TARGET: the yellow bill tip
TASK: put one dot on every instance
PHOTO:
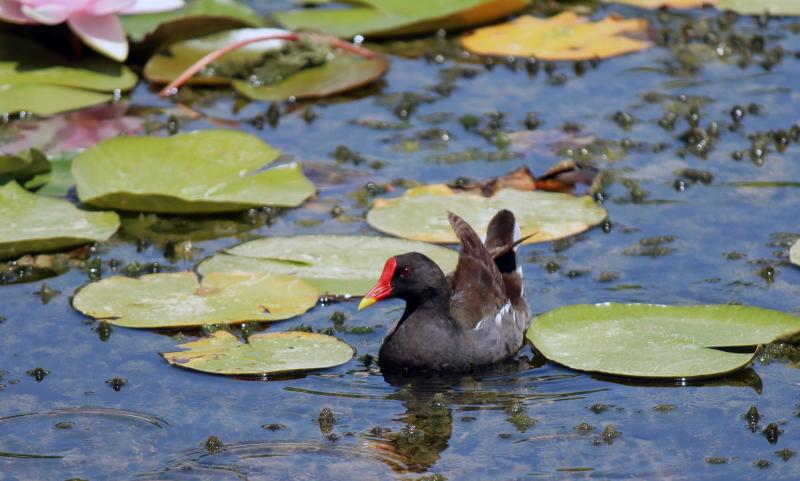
(366, 302)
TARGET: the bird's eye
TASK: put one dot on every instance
(405, 272)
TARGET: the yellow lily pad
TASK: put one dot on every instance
(263, 354)
(179, 300)
(794, 253)
(421, 214)
(566, 36)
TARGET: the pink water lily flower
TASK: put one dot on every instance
(94, 21)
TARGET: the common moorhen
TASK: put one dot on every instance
(475, 316)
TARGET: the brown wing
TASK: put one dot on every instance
(477, 287)
(502, 237)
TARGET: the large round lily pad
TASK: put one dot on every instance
(263, 354)
(342, 71)
(794, 253)
(33, 223)
(198, 172)
(335, 264)
(656, 341)
(179, 300)
(422, 214)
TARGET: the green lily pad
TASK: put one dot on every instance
(179, 300)
(342, 71)
(336, 264)
(759, 7)
(384, 18)
(33, 223)
(263, 354)
(196, 18)
(794, 253)
(199, 172)
(656, 341)
(36, 80)
(421, 214)
(46, 99)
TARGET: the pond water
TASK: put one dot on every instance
(704, 242)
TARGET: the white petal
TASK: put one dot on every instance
(150, 6)
(101, 32)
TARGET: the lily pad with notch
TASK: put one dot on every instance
(198, 172)
(658, 341)
(335, 264)
(263, 354)
(171, 300)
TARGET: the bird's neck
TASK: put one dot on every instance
(436, 300)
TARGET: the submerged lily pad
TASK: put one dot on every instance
(341, 71)
(421, 214)
(383, 18)
(656, 341)
(179, 300)
(268, 353)
(759, 7)
(794, 253)
(159, 229)
(566, 36)
(33, 223)
(335, 264)
(34, 79)
(199, 172)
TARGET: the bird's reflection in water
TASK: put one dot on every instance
(428, 417)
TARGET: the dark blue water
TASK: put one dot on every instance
(517, 421)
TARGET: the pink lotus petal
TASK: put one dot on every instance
(11, 11)
(107, 7)
(48, 14)
(101, 32)
(150, 6)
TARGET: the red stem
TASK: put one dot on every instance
(172, 87)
